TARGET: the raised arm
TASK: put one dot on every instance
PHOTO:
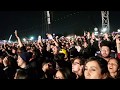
(18, 39)
(50, 37)
(118, 44)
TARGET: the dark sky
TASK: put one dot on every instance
(62, 22)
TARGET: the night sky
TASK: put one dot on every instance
(62, 22)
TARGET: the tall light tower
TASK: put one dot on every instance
(105, 22)
(47, 21)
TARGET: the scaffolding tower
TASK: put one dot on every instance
(105, 22)
(46, 23)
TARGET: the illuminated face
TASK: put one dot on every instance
(76, 66)
(92, 70)
(13, 51)
(47, 66)
(112, 65)
(59, 75)
(85, 44)
(55, 50)
(105, 51)
(20, 61)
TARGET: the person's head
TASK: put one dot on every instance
(14, 50)
(59, 56)
(28, 47)
(10, 61)
(59, 75)
(63, 73)
(48, 68)
(105, 49)
(64, 52)
(73, 52)
(113, 65)
(77, 66)
(106, 35)
(85, 44)
(55, 50)
(67, 45)
(19, 50)
(95, 68)
(24, 58)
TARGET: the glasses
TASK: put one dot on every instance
(113, 64)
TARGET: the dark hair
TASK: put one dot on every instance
(59, 56)
(48, 61)
(12, 61)
(73, 52)
(15, 48)
(66, 72)
(102, 63)
(106, 43)
(82, 60)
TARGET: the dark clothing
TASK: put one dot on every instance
(81, 77)
(87, 52)
(2, 74)
(31, 72)
(118, 55)
(10, 72)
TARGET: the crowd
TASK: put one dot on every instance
(78, 57)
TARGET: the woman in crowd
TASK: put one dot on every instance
(64, 73)
(96, 68)
(114, 68)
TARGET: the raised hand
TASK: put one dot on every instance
(39, 39)
(19, 41)
(5, 62)
(49, 36)
(117, 40)
(16, 34)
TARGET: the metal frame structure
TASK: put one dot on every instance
(105, 22)
(47, 21)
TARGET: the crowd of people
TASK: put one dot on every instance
(78, 57)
